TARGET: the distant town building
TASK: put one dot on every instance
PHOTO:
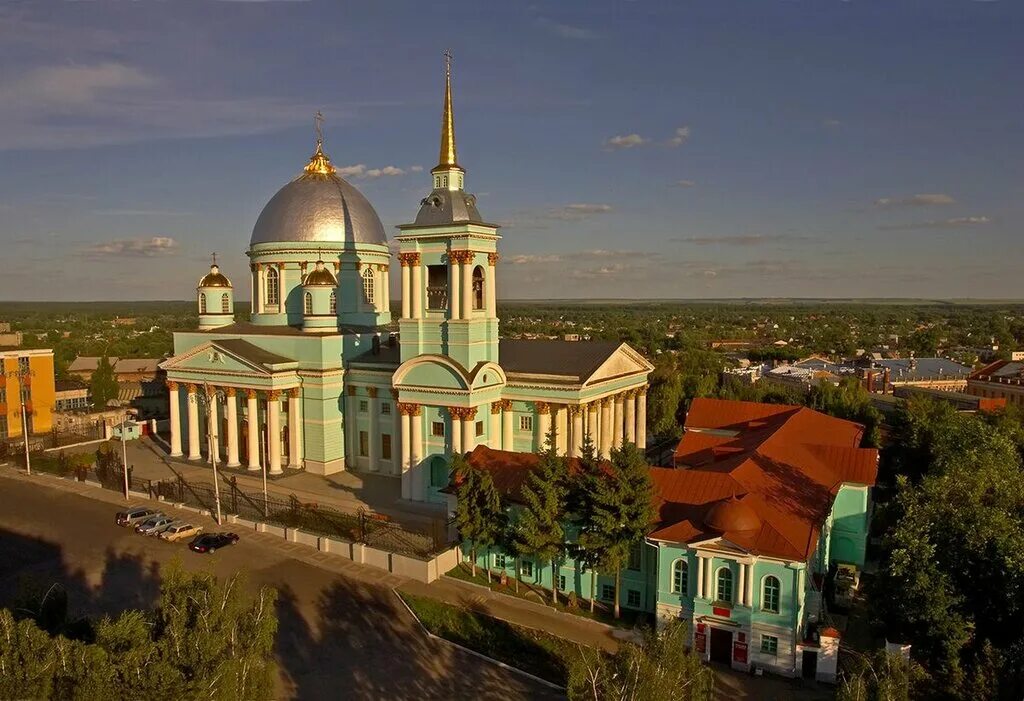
(27, 383)
(11, 339)
(1003, 379)
(84, 366)
(71, 395)
(125, 369)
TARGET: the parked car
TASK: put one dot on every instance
(180, 530)
(154, 525)
(209, 542)
(134, 515)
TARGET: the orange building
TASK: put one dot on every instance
(27, 380)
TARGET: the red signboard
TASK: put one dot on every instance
(699, 641)
(723, 612)
(739, 652)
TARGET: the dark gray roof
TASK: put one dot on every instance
(578, 359)
(920, 368)
(252, 353)
(1009, 369)
(443, 206)
(245, 328)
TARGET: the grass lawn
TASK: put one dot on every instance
(532, 651)
(531, 592)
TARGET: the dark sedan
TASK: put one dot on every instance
(209, 542)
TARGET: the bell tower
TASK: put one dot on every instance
(449, 259)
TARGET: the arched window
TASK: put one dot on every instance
(478, 287)
(202, 304)
(225, 304)
(273, 287)
(368, 285)
(770, 590)
(680, 580)
(307, 304)
(724, 590)
(334, 303)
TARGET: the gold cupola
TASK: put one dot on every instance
(214, 278)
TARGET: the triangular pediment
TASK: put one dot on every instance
(211, 357)
(719, 544)
(625, 361)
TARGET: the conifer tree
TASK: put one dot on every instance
(468, 519)
(590, 549)
(541, 533)
(103, 384)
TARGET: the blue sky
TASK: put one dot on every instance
(721, 148)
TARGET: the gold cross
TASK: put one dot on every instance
(447, 60)
(215, 257)
(318, 121)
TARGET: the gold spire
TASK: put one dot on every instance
(319, 164)
(448, 158)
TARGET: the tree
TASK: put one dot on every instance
(541, 533)
(662, 669)
(881, 676)
(103, 385)
(478, 514)
(589, 550)
(848, 400)
(622, 511)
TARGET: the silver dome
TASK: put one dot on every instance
(318, 206)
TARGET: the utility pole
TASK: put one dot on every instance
(21, 374)
(208, 397)
(263, 461)
(124, 454)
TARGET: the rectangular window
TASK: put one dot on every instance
(3, 395)
(526, 568)
(385, 446)
(500, 561)
(363, 406)
(385, 408)
(634, 557)
(437, 287)
(769, 645)
(608, 592)
(437, 429)
(364, 443)
(26, 394)
(526, 423)
(23, 364)
(479, 428)
(3, 426)
(633, 598)
(561, 582)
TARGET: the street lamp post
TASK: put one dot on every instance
(124, 454)
(21, 374)
(208, 398)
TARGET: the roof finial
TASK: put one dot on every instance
(214, 259)
(318, 121)
(319, 164)
(447, 158)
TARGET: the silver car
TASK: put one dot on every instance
(134, 515)
(154, 525)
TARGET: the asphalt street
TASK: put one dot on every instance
(340, 637)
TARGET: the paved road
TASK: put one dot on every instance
(340, 636)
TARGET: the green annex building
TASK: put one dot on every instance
(763, 502)
(317, 380)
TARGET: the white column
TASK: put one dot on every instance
(212, 428)
(543, 423)
(467, 284)
(406, 455)
(253, 439)
(507, 436)
(641, 419)
(591, 428)
(562, 429)
(468, 429)
(294, 430)
(232, 416)
(373, 438)
(750, 585)
(175, 409)
(606, 427)
(700, 577)
(352, 427)
(576, 445)
(495, 427)
(631, 417)
(617, 419)
(455, 413)
(193, 424)
(259, 291)
(709, 580)
(419, 490)
(385, 290)
(741, 593)
(406, 284)
(492, 294)
(417, 286)
(455, 284)
(274, 431)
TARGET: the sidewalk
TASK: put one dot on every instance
(348, 491)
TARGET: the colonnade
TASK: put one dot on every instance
(707, 581)
(460, 293)
(259, 303)
(609, 422)
(210, 398)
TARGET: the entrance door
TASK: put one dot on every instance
(721, 646)
(438, 478)
(810, 665)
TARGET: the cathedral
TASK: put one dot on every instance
(320, 379)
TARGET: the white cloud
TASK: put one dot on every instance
(534, 259)
(566, 31)
(686, 183)
(134, 248)
(952, 223)
(831, 123)
(738, 240)
(360, 171)
(924, 200)
(682, 135)
(624, 141)
(58, 86)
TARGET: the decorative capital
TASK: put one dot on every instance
(172, 385)
(294, 392)
(492, 259)
(381, 268)
(456, 412)
(542, 408)
(575, 410)
(469, 413)
(506, 404)
(230, 391)
(410, 259)
(250, 394)
(372, 392)
(606, 402)
(190, 388)
(351, 390)
(415, 410)
(458, 257)
(273, 395)
(496, 407)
